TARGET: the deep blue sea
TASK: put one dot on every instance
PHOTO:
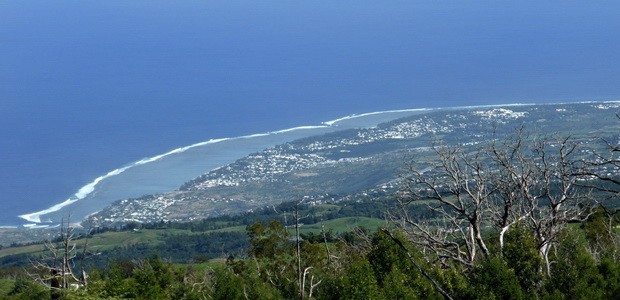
(88, 87)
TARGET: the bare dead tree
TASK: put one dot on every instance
(329, 259)
(56, 269)
(312, 284)
(515, 179)
(298, 250)
(604, 167)
(564, 200)
(302, 275)
(605, 242)
(457, 187)
(534, 182)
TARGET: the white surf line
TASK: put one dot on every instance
(300, 128)
(354, 116)
(84, 191)
(332, 122)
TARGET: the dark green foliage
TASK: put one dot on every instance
(312, 237)
(6, 286)
(147, 279)
(394, 271)
(192, 246)
(152, 278)
(610, 271)
(239, 280)
(454, 281)
(26, 289)
(386, 256)
(521, 255)
(178, 248)
(331, 288)
(574, 273)
(14, 261)
(360, 283)
(268, 241)
(396, 285)
(493, 279)
(227, 285)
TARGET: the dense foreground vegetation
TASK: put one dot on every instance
(361, 265)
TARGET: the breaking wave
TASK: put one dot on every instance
(86, 190)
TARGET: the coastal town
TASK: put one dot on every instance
(241, 185)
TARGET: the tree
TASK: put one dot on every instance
(493, 279)
(400, 270)
(521, 255)
(360, 283)
(478, 195)
(457, 184)
(303, 276)
(604, 239)
(574, 270)
(272, 257)
(56, 269)
(268, 241)
(602, 164)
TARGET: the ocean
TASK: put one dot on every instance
(87, 88)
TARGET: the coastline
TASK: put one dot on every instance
(35, 218)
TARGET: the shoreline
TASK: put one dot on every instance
(34, 218)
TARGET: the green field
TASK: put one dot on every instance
(154, 237)
(105, 241)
